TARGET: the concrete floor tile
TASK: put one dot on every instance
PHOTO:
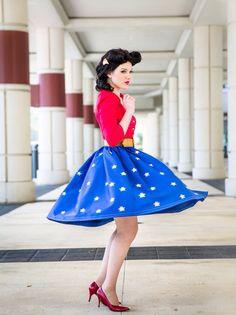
(151, 287)
(211, 222)
(184, 287)
(53, 194)
(199, 185)
(49, 288)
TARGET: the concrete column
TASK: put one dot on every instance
(185, 132)
(208, 116)
(34, 82)
(34, 116)
(88, 117)
(161, 138)
(165, 129)
(192, 109)
(173, 122)
(15, 151)
(74, 114)
(52, 122)
(151, 139)
(34, 94)
(158, 132)
(230, 183)
(98, 142)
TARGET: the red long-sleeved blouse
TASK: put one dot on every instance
(109, 112)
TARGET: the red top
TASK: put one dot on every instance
(109, 112)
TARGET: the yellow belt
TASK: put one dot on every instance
(126, 142)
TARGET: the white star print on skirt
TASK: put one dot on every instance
(121, 181)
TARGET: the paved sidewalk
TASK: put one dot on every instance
(149, 286)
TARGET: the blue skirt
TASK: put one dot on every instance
(118, 182)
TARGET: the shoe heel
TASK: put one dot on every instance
(99, 302)
(92, 290)
(90, 295)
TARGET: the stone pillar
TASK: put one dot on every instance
(230, 183)
(52, 127)
(34, 117)
(15, 151)
(165, 129)
(151, 139)
(208, 116)
(192, 110)
(161, 138)
(158, 132)
(173, 122)
(88, 117)
(185, 131)
(34, 94)
(74, 113)
(97, 136)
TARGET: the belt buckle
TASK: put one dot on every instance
(128, 142)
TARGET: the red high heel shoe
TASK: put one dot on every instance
(115, 308)
(92, 289)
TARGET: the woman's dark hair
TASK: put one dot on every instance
(114, 58)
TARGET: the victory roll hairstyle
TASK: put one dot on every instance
(110, 61)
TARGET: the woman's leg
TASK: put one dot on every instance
(126, 230)
(103, 269)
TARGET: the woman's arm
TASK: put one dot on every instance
(129, 105)
(125, 121)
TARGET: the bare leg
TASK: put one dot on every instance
(103, 270)
(126, 230)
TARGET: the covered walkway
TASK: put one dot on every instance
(185, 91)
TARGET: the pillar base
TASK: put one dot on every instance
(185, 167)
(165, 161)
(17, 192)
(52, 177)
(172, 164)
(206, 173)
(230, 187)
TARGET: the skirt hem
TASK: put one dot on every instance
(163, 209)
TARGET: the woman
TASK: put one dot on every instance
(118, 182)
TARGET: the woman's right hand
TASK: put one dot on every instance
(129, 103)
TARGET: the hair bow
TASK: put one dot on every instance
(105, 62)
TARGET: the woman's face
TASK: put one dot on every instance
(121, 76)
